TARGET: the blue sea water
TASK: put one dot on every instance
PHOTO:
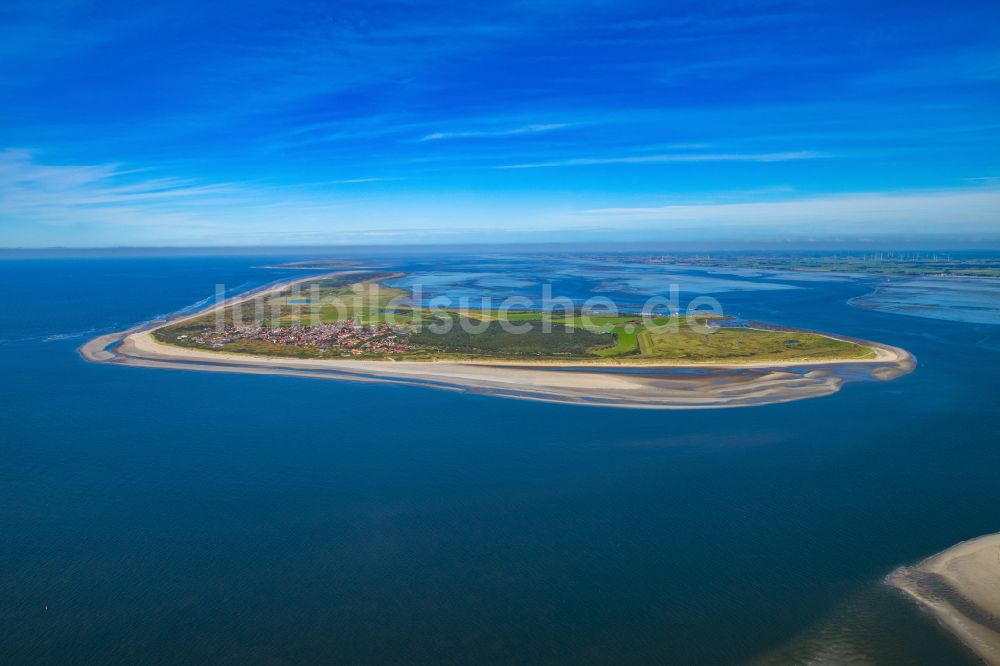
(975, 300)
(154, 515)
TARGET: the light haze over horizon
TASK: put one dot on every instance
(229, 124)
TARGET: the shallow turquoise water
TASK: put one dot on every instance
(209, 517)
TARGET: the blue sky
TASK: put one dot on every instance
(216, 123)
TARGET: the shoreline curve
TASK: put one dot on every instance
(653, 385)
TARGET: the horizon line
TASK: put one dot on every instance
(887, 243)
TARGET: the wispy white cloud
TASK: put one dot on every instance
(674, 157)
(111, 204)
(477, 134)
(26, 185)
(108, 204)
(350, 181)
(958, 210)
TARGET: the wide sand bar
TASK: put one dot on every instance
(961, 588)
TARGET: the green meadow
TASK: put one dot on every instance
(443, 333)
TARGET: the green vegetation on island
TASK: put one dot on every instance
(358, 316)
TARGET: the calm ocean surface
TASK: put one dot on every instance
(167, 516)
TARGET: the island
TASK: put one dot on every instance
(961, 588)
(353, 325)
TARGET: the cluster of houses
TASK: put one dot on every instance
(347, 337)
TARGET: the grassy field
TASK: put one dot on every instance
(493, 341)
(743, 344)
(478, 334)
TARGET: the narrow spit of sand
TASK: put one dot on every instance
(961, 588)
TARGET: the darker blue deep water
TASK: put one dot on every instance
(175, 516)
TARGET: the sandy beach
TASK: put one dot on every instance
(650, 386)
(713, 386)
(961, 588)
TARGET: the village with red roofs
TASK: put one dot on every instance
(346, 337)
